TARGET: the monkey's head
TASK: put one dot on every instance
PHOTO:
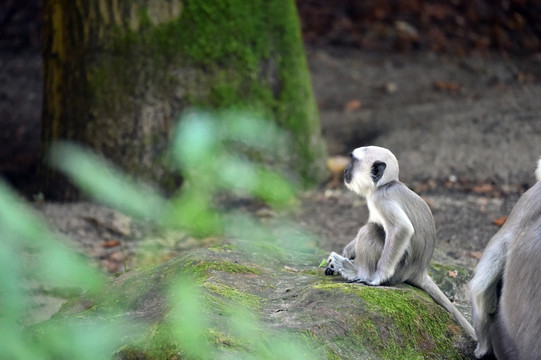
(369, 168)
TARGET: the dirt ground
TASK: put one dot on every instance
(466, 132)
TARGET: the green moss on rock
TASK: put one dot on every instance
(449, 278)
(244, 300)
(335, 319)
(402, 325)
(203, 268)
(222, 339)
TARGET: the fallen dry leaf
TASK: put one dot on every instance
(110, 243)
(337, 164)
(453, 273)
(446, 86)
(352, 105)
(483, 188)
(406, 29)
(475, 254)
(499, 221)
(390, 87)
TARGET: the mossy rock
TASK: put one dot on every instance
(335, 319)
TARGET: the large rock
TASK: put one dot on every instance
(290, 293)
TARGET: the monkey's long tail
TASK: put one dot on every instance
(430, 287)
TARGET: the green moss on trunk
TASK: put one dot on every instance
(142, 70)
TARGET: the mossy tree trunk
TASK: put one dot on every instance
(119, 73)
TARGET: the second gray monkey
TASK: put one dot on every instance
(505, 289)
(397, 243)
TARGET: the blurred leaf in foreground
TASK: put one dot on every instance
(97, 177)
(230, 153)
(29, 251)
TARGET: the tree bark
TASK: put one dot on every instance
(119, 73)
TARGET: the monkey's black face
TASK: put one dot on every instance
(348, 173)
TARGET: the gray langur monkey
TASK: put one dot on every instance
(397, 243)
(506, 288)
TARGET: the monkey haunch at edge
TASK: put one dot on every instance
(397, 242)
(505, 289)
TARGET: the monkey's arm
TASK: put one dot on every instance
(398, 232)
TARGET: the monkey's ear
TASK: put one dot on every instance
(378, 168)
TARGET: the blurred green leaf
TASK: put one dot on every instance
(18, 219)
(102, 181)
(245, 326)
(56, 264)
(61, 267)
(89, 340)
(15, 345)
(274, 189)
(228, 152)
(12, 297)
(190, 324)
(195, 142)
(192, 211)
(236, 175)
(250, 129)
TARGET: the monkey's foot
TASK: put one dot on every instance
(341, 265)
(365, 281)
(481, 351)
(330, 268)
(373, 283)
(361, 280)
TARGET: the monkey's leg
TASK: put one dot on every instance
(343, 266)
(349, 250)
(368, 247)
(484, 294)
(485, 291)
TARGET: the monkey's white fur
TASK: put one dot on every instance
(505, 289)
(397, 242)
